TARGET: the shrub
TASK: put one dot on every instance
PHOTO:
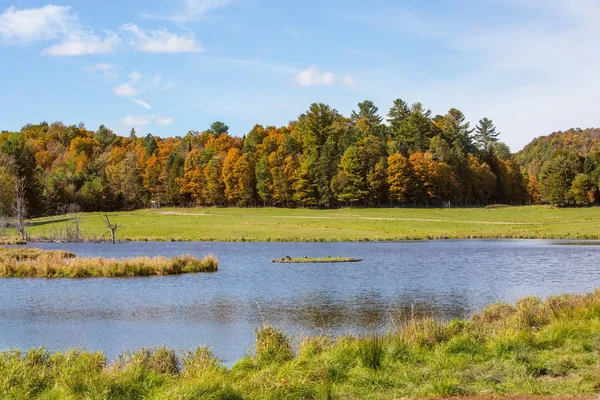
(198, 361)
(423, 332)
(531, 312)
(272, 345)
(371, 351)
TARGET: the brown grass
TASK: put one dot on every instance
(26, 263)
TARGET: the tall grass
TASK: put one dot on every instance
(27, 254)
(534, 347)
(371, 351)
(25, 263)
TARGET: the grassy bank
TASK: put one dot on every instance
(535, 347)
(25, 263)
(10, 241)
(269, 224)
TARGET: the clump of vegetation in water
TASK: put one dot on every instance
(7, 241)
(534, 347)
(27, 254)
(308, 260)
(61, 264)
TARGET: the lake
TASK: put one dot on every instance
(443, 279)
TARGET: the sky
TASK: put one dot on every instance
(169, 66)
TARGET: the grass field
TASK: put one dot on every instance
(535, 347)
(270, 224)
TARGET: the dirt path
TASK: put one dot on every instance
(407, 219)
(347, 216)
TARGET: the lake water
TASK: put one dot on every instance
(443, 279)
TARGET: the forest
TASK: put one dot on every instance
(320, 160)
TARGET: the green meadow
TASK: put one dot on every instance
(275, 224)
(534, 347)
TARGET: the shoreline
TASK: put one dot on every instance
(530, 348)
(309, 240)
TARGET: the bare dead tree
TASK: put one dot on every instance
(111, 226)
(3, 223)
(20, 207)
(72, 230)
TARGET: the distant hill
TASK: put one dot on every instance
(539, 150)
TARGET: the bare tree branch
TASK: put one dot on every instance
(111, 226)
(20, 207)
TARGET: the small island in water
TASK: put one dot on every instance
(309, 260)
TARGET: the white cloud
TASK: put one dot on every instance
(32, 24)
(189, 10)
(142, 103)
(537, 77)
(53, 23)
(142, 120)
(161, 41)
(107, 70)
(125, 89)
(312, 76)
(201, 7)
(163, 121)
(80, 43)
(101, 67)
(134, 76)
(532, 74)
(347, 80)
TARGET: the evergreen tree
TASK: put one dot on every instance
(218, 128)
(314, 127)
(456, 130)
(352, 169)
(398, 114)
(105, 136)
(485, 133)
(150, 145)
(369, 111)
(264, 181)
(305, 188)
(417, 130)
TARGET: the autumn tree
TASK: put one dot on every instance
(583, 190)
(398, 178)
(230, 177)
(244, 171)
(213, 171)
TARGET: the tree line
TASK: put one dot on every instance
(322, 159)
(564, 167)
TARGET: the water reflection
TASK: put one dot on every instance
(445, 279)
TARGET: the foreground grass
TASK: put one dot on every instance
(25, 262)
(269, 224)
(531, 348)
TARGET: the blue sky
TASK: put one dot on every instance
(168, 66)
